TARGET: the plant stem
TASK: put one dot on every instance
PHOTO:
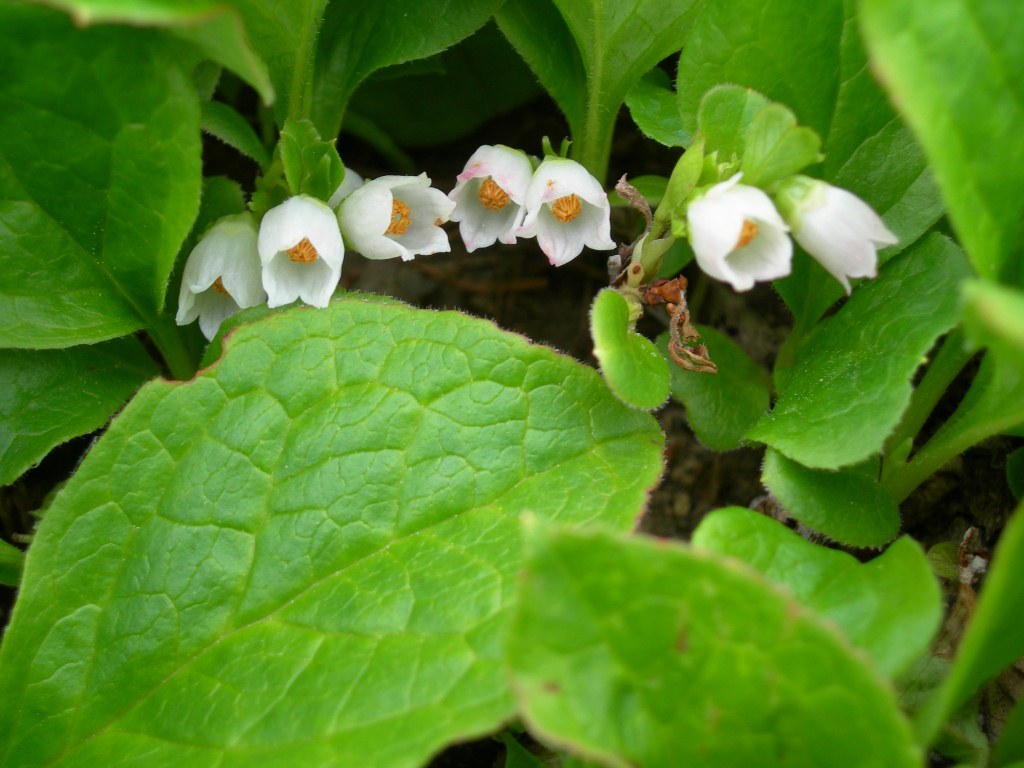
(993, 404)
(951, 358)
(175, 352)
(593, 146)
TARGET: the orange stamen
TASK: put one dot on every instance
(567, 208)
(491, 196)
(303, 252)
(747, 233)
(400, 220)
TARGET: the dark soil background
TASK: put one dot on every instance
(516, 288)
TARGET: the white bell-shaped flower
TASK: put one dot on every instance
(396, 216)
(489, 196)
(836, 227)
(349, 184)
(566, 209)
(301, 251)
(222, 274)
(738, 236)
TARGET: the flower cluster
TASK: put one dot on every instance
(739, 235)
(500, 197)
(295, 252)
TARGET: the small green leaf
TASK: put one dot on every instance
(638, 652)
(224, 123)
(952, 68)
(775, 147)
(852, 375)
(994, 637)
(654, 107)
(311, 165)
(632, 366)
(720, 408)
(215, 28)
(100, 174)
(359, 38)
(11, 562)
(726, 113)
(50, 396)
(890, 607)
(316, 538)
(845, 505)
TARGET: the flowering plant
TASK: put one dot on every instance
(255, 513)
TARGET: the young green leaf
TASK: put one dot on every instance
(775, 147)
(11, 562)
(726, 112)
(890, 607)
(223, 122)
(50, 396)
(311, 165)
(654, 107)
(845, 505)
(720, 408)
(631, 365)
(636, 652)
(316, 538)
(852, 376)
(951, 68)
(100, 171)
(359, 38)
(215, 28)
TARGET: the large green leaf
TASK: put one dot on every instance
(358, 38)
(616, 43)
(469, 84)
(306, 555)
(851, 381)
(636, 652)
(539, 34)
(99, 175)
(49, 396)
(284, 34)
(722, 407)
(995, 636)
(953, 68)
(847, 505)
(216, 28)
(889, 607)
(809, 56)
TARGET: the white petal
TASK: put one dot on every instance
(299, 217)
(349, 184)
(562, 241)
(716, 223)
(227, 251)
(366, 215)
(284, 227)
